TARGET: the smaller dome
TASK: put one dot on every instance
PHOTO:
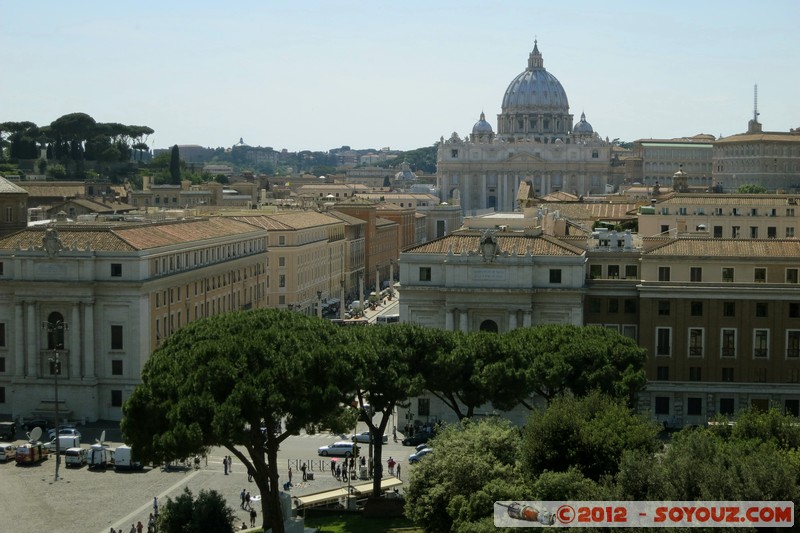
(582, 127)
(482, 127)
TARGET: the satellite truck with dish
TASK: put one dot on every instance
(99, 454)
(33, 451)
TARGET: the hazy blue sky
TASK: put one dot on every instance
(318, 75)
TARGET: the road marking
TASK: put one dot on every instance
(145, 509)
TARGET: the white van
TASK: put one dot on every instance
(65, 442)
(123, 459)
(75, 457)
(7, 451)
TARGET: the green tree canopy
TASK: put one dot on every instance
(565, 358)
(751, 188)
(589, 433)
(474, 464)
(387, 367)
(219, 380)
(184, 514)
(175, 165)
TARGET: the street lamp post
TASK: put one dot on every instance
(54, 329)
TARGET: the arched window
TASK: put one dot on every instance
(489, 325)
(55, 331)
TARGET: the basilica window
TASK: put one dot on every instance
(454, 153)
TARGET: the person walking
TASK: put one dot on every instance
(290, 475)
(398, 470)
(253, 516)
(241, 495)
(225, 465)
(247, 500)
(333, 467)
(155, 505)
(303, 470)
(391, 464)
(139, 526)
(230, 464)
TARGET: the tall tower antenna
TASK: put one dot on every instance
(755, 102)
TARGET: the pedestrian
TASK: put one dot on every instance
(344, 473)
(333, 467)
(338, 471)
(303, 470)
(363, 461)
(247, 500)
(244, 526)
(139, 527)
(155, 505)
(391, 464)
(253, 515)
(394, 433)
(241, 495)
(151, 523)
(225, 465)
(230, 464)
(113, 530)
(398, 470)
(290, 475)
(133, 529)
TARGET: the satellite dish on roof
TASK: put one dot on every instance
(36, 433)
(102, 437)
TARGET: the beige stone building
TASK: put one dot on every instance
(104, 296)
(723, 216)
(306, 261)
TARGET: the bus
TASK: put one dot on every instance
(387, 319)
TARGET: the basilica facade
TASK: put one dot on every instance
(537, 141)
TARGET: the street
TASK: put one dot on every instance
(94, 501)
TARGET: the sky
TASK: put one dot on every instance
(317, 75)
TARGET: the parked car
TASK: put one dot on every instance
(420, 437)
(365, 437)
(342, 448)
(7, 451)
(64, 431)
(75, 457)
(422, 446)
(415, 457)
(37, 423)
(8, 430)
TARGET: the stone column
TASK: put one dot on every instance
(512, 320)
(526, 318)
(19, 340)
(462, 320)
(88, 328)
(448, 319)
(32, 333)
(74, 370)
(484, 191)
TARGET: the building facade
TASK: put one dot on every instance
(536, 142)
(718, 317)
(104, 296)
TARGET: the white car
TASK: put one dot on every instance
(342, 448)
(365, 437)
(7, 452)
(415, 457)
(64, 431)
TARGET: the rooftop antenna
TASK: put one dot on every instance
(755, 103)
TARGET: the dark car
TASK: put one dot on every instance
(8, 430)
(37, 423)
(418, 438)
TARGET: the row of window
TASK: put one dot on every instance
(554, 275)
(728, 343)
(792, 275)
(694, 406)
(696, 308)
(207, 256)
